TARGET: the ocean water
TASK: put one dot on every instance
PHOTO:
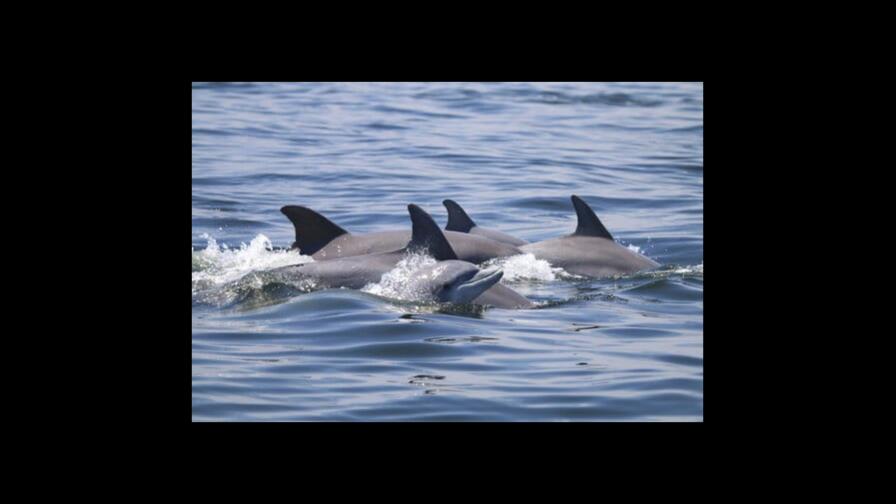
(619, 349)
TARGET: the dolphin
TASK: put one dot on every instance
(450, 280)
(459, 221)
(590, 250)
(453, 281)
(323, 240)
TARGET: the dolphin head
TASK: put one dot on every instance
(457, 281)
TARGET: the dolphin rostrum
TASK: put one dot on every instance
(451, 281)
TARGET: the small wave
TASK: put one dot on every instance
(449, 95)
(611, 99)
(223, 85)
(212, 132)
(693, 271)
(221, 222)
(684, 270)
(220, 204)
(417, 112)
(619, 99)
(217, 265)
(686, 129)
(383, 126)
(243, 179)
(527, 267)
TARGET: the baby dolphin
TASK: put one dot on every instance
(590, 250)
(464, 283)
(459, 221)
(452, 281)
(323, 240)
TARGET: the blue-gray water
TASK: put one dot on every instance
(619, 349)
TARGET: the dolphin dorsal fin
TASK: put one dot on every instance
(427, 237)
(313, 230)
(589, 224)
(458, 220)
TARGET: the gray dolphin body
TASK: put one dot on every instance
(449, 280)
(590, 250)
(502, 296)
(459, 221)
(323, 240)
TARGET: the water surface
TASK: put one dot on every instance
(619, 349)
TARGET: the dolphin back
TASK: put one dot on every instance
(427, 237)
(589, 224)
(458, 220)
(313, 230)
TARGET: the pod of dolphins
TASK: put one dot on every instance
(343, 259)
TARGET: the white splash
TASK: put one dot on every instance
(527, 267)
(634, 248)
(219, 264)
(397, 284)
(697, 269)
